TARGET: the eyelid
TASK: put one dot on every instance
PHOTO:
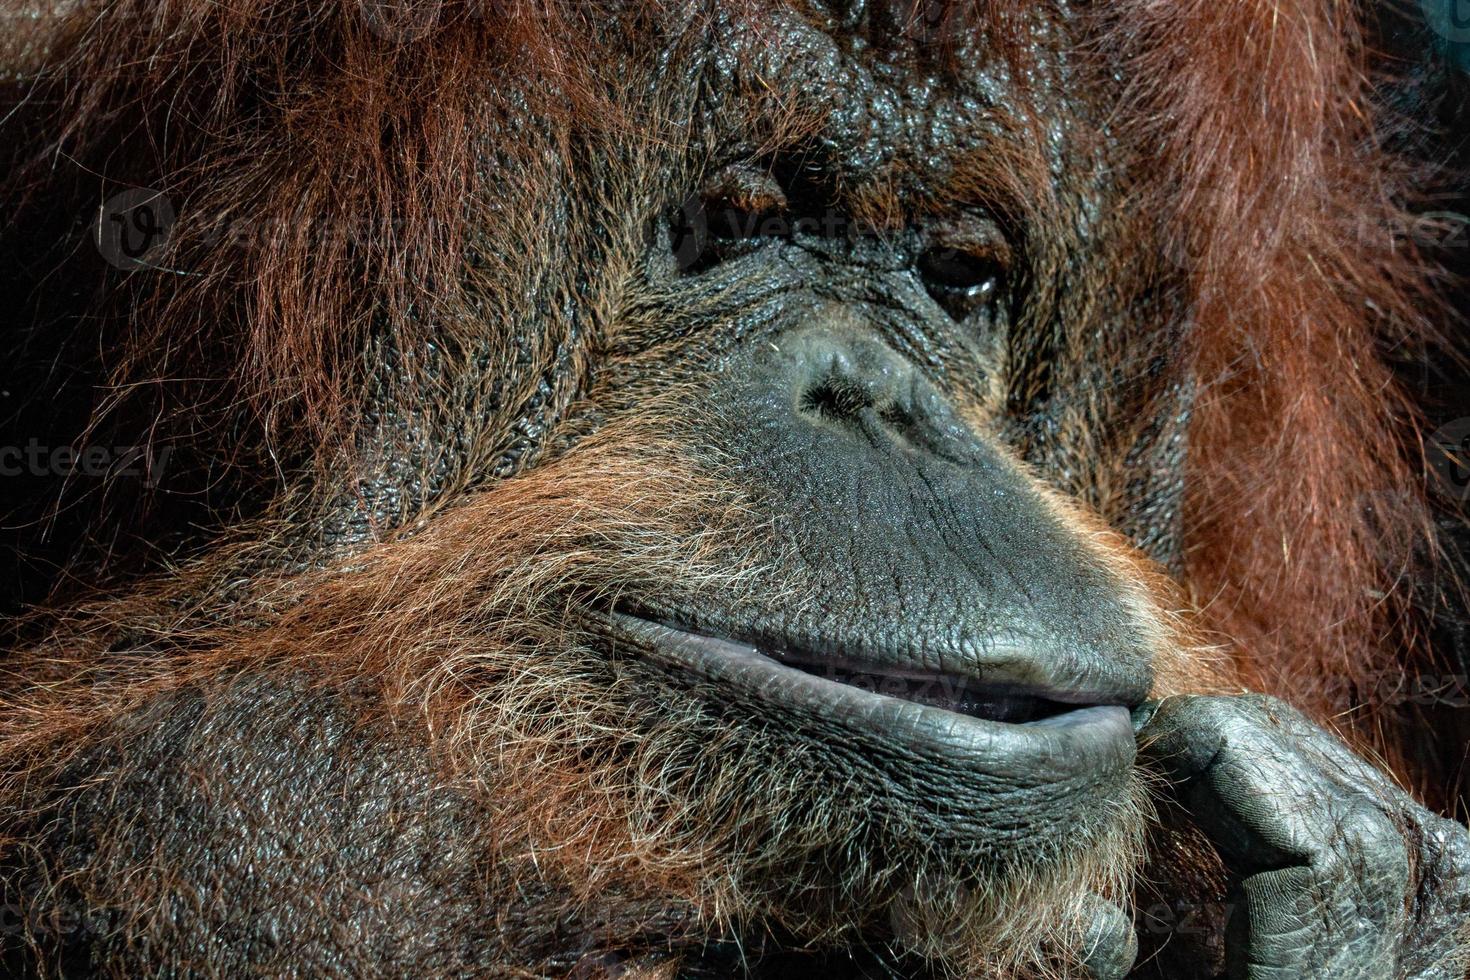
(752, 204)
(746, 188)
(975, 237)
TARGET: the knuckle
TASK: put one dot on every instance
(1445, 847)
(1200, 711)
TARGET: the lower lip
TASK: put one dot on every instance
(1073, 742)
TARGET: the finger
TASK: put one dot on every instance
(1180, 736)
(1300, 922)
(1441, 949)
(1267, 783)
(1111, 945)
(1325, 867)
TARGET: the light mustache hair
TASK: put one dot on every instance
(590, 770)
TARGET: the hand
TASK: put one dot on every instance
(1341, 874)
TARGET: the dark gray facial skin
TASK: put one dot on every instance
(852, 383)
(930, 564)
(879, 427)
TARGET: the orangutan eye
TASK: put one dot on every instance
(737, 211)
(966, 269)
(960, 283)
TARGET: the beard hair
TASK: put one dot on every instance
(591, 770)
(622, 783)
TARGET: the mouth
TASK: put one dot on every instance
(995, 701)
(1035, 715)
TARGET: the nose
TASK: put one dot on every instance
(909, 525)
(852, 384)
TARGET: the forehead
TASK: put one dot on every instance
(907, 94)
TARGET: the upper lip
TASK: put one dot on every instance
(1011, 680)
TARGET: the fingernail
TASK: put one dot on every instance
(1143, 714)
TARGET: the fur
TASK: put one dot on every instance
(326, 161)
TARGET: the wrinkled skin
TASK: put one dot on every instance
(907, 413)
(1340, 873)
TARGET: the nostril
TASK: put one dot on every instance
(899, 419)
(837, 399)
